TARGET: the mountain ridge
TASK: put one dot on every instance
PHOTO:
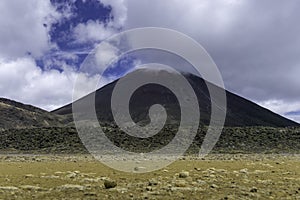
(16, 115)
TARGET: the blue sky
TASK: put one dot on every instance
(254, 43)
(71, 37)
(62, 32)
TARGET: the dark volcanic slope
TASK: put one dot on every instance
(240, 112)
(17, 115)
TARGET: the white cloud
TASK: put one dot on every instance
(95, 30)
(193, 17)
(119, 12)
(276, 106)
(24, 81)
(25, 27)
(295, 118)
(92, 31)
(104, 55)
(22, 27)
(282, 107)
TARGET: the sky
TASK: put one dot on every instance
(255, 44)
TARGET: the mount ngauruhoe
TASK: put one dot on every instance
(240, 111)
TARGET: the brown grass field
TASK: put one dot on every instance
(265, 176)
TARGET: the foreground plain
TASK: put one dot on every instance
(215, 177)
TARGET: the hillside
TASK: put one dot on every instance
(17, 115)
(232, 140)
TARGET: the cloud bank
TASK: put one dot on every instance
(254, 43)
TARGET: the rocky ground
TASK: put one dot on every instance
(218, 176)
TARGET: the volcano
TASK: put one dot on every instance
(240, 112)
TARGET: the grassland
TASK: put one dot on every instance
(255, 163)
(239, 176)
